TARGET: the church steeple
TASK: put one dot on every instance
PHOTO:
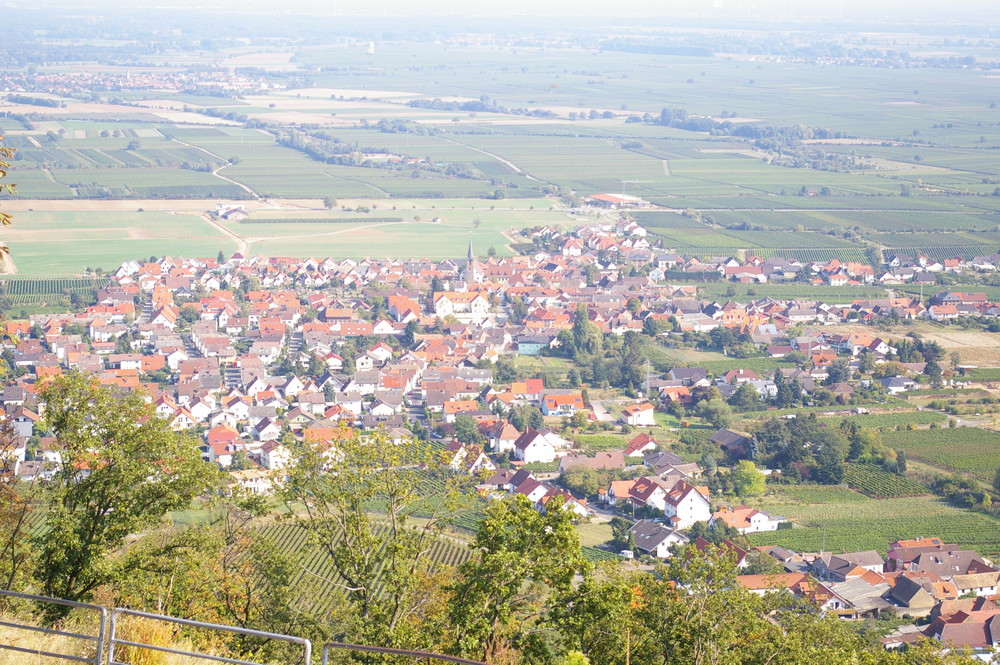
(471, 267)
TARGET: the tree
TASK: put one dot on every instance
(747, 480)
(746, 398)
(17, 503)
(525, 416)
(378, 559)
(317, 367)
(621, 534)
(523, 558)
(586, 335)
(329, 203)
(715, 411)
(466, 430)
(225, 570)
(189, 314)
(933, 370)
(409, 336)
(581, 480)
(504, 370)
(651, 326)
(6, 154)
(996, 481)
(830, 464)
(137, 469)
(762, 563)
(839, 371)
(240, 461)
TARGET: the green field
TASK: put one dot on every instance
(898, 418)
(969, 449)
(878, 484)
(835, 519)
(914, 171)
(64, 243)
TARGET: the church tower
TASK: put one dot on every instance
(472, 268)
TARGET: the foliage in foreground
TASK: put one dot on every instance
(527, 595)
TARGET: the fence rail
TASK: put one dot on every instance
(115, 641)
(107, 640)
(99, 639)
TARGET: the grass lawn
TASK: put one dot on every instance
(593, 535)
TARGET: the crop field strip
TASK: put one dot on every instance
(829, 518)
(878, 484)
(32, 291)
(321, 220)
(315, 566)
(894, 419)
(969, 449)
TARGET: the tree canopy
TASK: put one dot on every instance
(122, 468)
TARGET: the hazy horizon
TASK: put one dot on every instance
(904, 11)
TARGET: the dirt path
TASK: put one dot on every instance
(242, 246)
(7, 265)
(500, 159)
(217, 173)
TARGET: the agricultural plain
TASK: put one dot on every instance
(902, 160)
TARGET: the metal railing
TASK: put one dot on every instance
(107, 639)
(114, 641)
(426, 655)
(98, 639)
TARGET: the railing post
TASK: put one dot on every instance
(111, 638)
(98, 639)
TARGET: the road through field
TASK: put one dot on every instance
(242, 245)
(216, 171)
(500, 159)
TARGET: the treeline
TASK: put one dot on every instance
(323, 146)
(653, 48)
(484, 105)
(35, 101)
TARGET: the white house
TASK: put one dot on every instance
(981, 584)
(274, 455)
(639, 415)
(746, 520)
(687, 504)
(538, 446)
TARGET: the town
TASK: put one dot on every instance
(255, 354)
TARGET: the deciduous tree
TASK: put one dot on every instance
(335, 487)
(122, 469)
(523, 558)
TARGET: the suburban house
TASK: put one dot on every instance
(538, 446)
(841, 567)
(655, 539)
(687, 504)
(746, 520)
(639, 445)
(562, 405)
(639, 415)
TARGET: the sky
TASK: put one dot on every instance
(952, 11)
